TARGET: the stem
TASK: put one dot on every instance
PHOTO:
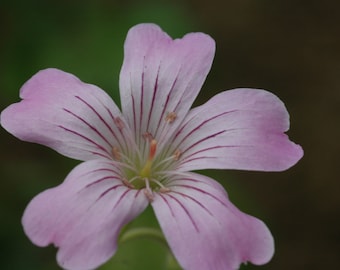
(143, 232)
(171, 263)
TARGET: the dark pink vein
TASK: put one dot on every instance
(109, 190)
(168, 204)
(199, 190)
(141, 99)
(199, 126)
(99, 116)
(185, 210)
(134, 113)
(185, 159)
(120, 130)
(196, 158)
(87, 139)
(153, 98)
(194, 200)
(100, 170)
(89, 125)
(110, 177)
(202, 140)
(121, 197)
(162, 116)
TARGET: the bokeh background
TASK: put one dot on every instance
(289, 47)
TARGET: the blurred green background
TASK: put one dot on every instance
(291, 48)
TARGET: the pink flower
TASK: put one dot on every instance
(146, 154)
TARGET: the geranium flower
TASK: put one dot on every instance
(145, 154)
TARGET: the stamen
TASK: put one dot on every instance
(164, 190)
(116, 153)
(170, 117)
(147, 136)
(119, 165)
(164, 162)
(127, 183)
(134, 178)
(147, 191)
(177, 154)
(149, 195)
(119, 123)
(122, 160)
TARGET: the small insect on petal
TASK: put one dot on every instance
(170, 117)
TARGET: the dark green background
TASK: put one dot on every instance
(291, 48)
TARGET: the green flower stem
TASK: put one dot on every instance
(152, 233)
(143, 232)
(171, 262)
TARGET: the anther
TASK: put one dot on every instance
(164, 190)
(148, 194)
(170, 117)
(177, 154)
(127, 183)
(147, 136)
(115, 153)
(119, 123)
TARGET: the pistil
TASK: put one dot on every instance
(146, 171)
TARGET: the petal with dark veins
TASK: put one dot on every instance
(205, 230)
(83, 216)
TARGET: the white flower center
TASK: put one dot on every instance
(148, 173)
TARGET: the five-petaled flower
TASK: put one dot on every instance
(145, 154)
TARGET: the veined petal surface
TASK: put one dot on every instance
(237, 129)
(76, 119)
(204, 230)
(83, 216)
(161, 76)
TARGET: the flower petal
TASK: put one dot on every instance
(76, 119)
(161, 77)
(206, 231)
(83, 216)
(237, 129)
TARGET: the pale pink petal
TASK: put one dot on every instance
(83, 216)
(161, 76)
(237, 129)
(76, 119)
(206, 231)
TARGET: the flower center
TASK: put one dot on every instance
(138, 174)
(148, 173)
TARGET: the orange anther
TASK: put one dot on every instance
(153, 147)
